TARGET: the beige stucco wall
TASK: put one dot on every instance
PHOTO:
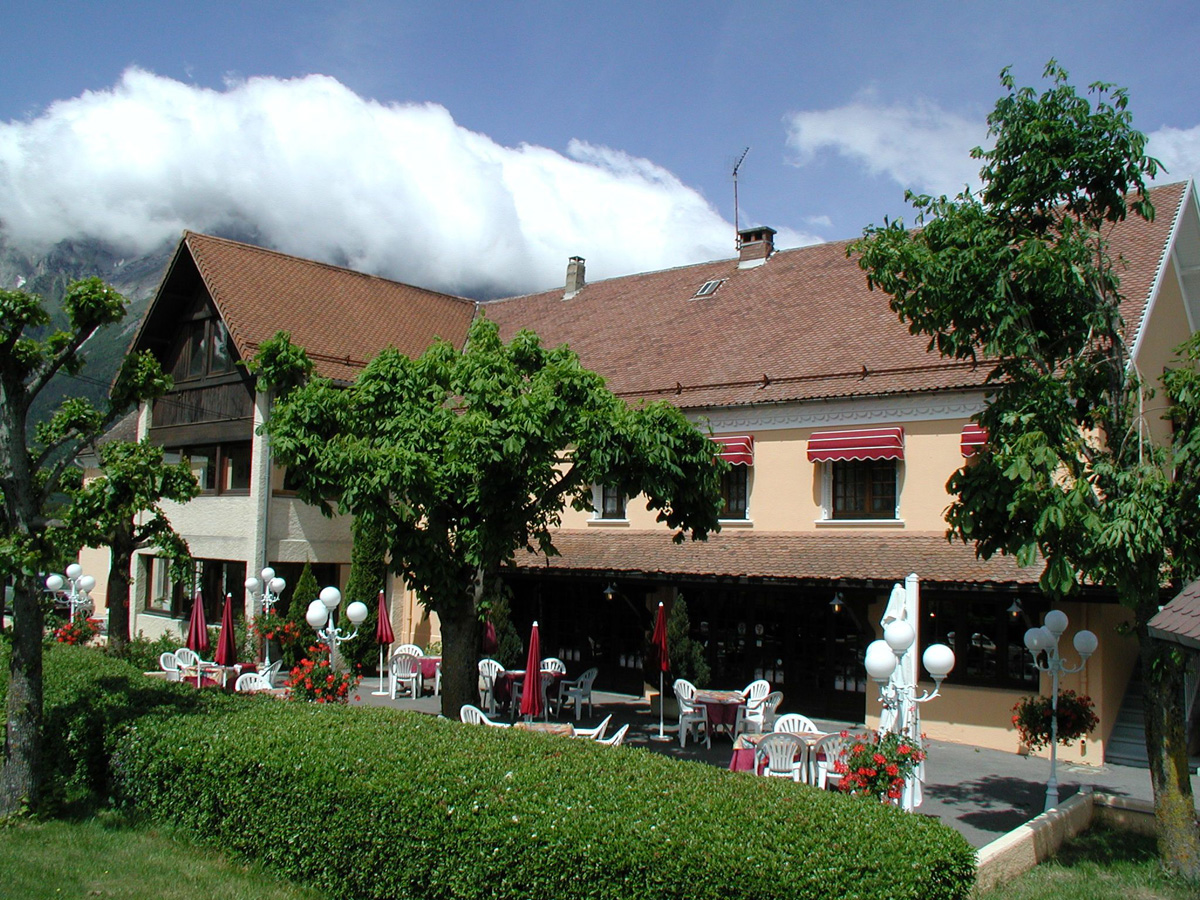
(1166, 328)
(982, 716)
(787, 491)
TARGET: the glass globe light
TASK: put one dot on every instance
(277, 586)
(899, 636)
(267, 574)
(880, 661)
(1086, 643)
(1056, 622)
(252, 584)
(74, 570)
(317, 614)
(54, 583)
(357, 612)
(86, 583)
(1038, 639)
(331, 597)
(939, 660)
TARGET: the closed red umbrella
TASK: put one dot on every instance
(197, 636)
(226, 647)
(531, 689)
(659, 641)
(383, 637)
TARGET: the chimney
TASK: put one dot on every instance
(755, 245)
(575, 279)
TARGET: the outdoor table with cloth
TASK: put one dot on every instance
(722, 707)
(744, 746)
(429, 668)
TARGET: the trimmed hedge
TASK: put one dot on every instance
(377, 803)
(372, 803)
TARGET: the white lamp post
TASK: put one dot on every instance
(271, 586)
(898, 694)
(321, 614)
(1045, 640)
(81, 586)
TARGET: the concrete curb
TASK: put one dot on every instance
(1023, 848)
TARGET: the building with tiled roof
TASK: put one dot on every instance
(841, 427)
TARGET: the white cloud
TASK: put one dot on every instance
(918, 145)
(313, 169)
(1179, 151)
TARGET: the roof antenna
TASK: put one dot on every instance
(737, 235)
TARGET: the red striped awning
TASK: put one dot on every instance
(973, 438)
(857, 443)
(736, 449)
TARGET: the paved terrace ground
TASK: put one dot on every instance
(980, 793)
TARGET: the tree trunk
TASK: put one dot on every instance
(120, 558)
(1166, 745)
(461, 634)
(21, 779)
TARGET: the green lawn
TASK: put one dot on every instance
(1100, 864)
(108, 857)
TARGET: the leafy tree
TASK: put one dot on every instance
(102, 514)
(304, 592)
(510, 649)
(686, 655)
(35, 465)
(1018, 277)
(464, 459)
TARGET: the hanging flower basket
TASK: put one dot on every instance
(270, 626)
(1032, 719)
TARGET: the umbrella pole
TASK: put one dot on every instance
(381, 692)
(661, 736)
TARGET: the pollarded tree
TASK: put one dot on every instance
(1018, 276)
(36, 463)
(464, 459)
(120, 510)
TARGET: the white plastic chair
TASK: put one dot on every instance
(827, 751)
(616, 740)
(408, 650)
(187, 657)
(554, 664)
(405, 671)
(691, 714)
(750, 716)
(578, 691)
(786, 757)
(169, 663)
(595, 734)
(272, 671)
(473, 715)
(489, 671)
(794, 723)
(547, 679)
(252, 681)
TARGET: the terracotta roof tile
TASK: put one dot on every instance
(775, 555)
(1179, 620)
(341, 317)
(803, 326)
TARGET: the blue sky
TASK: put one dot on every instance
(474, 147)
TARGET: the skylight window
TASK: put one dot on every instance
(709, 287)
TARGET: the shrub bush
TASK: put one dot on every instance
(413, 806)
(89, 697)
